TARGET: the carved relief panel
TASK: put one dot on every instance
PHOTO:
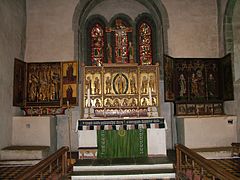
(121, 86)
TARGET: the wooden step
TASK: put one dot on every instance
(125, 174)
(124, 168)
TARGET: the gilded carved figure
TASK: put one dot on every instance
(96, 85)
(108, 85)
(144, 85)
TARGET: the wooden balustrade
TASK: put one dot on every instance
(190, 165)
(54, 166)
(235, 149)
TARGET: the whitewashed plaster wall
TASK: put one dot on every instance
(49, 30)
(12, 44)
(193, 32)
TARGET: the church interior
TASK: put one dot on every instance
(116, 89)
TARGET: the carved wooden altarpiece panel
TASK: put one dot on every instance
(198, 86)
(46, 87)
(115, 90)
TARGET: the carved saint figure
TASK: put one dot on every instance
(211, 86)
(88, 83)
(120, 84)
(133, 85)
(108, 85)
(97, 103)
(69, 93)
(144, 84)
(144, 102)
(182, 85)
(151, 83)
(96, 85)
(69, 72)
(194, 85)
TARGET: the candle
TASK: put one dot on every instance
(67, 103)
(88, 97)
(150, 96)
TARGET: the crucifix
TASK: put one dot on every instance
(121, 41)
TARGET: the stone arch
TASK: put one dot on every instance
(227, 27)
(157, 11)
(231, 35)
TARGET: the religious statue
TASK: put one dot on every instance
(120, 84)
(108, 85)
(144, 85)
(96, 85)
(108, 103)
(97, 103)
(133, 85)
(211, 86)
(121, 41)
(33, 87)
(151, 84)
(69, 93)
(194, 85)
(69, 72)
(88, 83)
(144, 102)
(182, 85)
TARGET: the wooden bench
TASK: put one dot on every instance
(87, 150)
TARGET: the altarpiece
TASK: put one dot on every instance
(198, 86)
(45, 88)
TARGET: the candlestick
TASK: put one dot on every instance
(88, 98)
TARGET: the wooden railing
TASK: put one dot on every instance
(53, 167)
(191, 166)
(235, 149)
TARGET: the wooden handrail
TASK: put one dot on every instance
(204, 166)
(59, 158)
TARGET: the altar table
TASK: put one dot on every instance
(122, 137)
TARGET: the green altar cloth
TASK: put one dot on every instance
(122, 143)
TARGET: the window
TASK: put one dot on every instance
(145, 43)
(97, 44)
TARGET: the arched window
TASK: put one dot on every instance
(145, 43)
(97, 44)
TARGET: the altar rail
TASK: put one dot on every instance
(53, 167)
(190, 165)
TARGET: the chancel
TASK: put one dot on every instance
(117, 89)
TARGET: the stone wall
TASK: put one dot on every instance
(193, 32)
(12, 45)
